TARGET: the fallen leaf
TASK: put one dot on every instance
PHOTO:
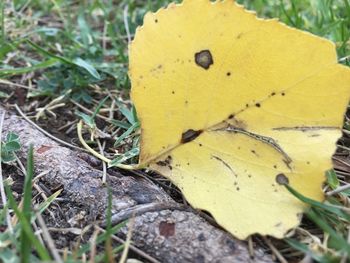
(232, 107)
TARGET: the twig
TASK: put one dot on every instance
(126, 23)
(48, 239)
(2, 189)
(89, 111)
(45, 132)
(127, 241)
(104, 166)
(338, 190)
(251, 247)
(7, 82)
(274, 250)
(93, 245)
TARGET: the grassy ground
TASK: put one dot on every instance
(62, 61)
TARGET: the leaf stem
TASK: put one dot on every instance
(98, 155)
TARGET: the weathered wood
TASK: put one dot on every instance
(163, 228)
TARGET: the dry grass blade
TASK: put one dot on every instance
(48, 239)
(2, 188)
(45, 132)
(127, 241)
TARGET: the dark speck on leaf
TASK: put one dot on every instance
(258, 105)
(283, 94)
(156, 20)
(228, 74)
(190, 135)
(273, 93)
(161, 163)
(231, 116)
(204, 59)
(173, 92)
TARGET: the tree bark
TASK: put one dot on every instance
(166, 230)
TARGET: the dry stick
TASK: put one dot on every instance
(251, 247)
(338, 190)
(341, 161)
(93, 245)
(4, 81)
(133, 248)
(46, 133)
(89, 111)
(126, 23)
(2, 189)
(274, 250)
(68, 124)
(127, 241)
(38, 232)
(104, 164)
(48, 239)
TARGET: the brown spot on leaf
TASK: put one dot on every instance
(166, 162)
(161, 163)
(278, 224)
(166, 229)
(282, 179)
(204, 59)
(190, 135)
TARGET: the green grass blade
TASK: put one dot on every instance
(317, 219)
(3, 34)
(99, 106)
(335, 210)
(27, 207)
(41, 65)
(88, 67)
(126, 133)
(43, 206)
(26, 227)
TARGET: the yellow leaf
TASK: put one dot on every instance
(232, 107)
